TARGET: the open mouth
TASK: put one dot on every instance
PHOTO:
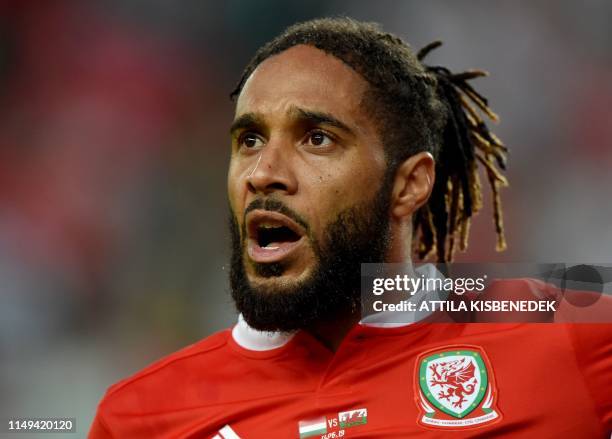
(272, 236)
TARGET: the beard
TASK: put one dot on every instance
(359, 234)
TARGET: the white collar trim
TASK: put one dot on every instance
(254, 340)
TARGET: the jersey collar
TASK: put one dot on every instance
(259, 341)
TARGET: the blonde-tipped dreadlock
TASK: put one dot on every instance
(457, 193)
(417, 108)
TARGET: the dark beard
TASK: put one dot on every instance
(359, 234)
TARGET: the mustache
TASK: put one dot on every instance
(274, 205)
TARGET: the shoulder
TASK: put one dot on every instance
(166, 379)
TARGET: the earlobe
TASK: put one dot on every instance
(414, 180)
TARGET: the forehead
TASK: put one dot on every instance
(305, 77)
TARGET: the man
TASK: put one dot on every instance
(347, 150)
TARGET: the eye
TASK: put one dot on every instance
(319, 138)
(250, 141)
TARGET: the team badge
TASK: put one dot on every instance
(455, 388)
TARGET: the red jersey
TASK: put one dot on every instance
(417, 380)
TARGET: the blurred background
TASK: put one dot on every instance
(114, 145)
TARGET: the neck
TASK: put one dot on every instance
(400, 247)
(331, 334)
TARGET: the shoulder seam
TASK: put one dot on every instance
(105, 425)
(163, 363)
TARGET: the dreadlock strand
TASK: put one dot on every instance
(425, 50)
(489, 148)
(468, 74)
(466, 142)
(488, 144)
(427, 239)
(496, 140)
(455, 221)
(457, 134)
(497, 214)
(492, 170)
(479, 101)
(468, 89)
(477, 98)
(470, 112)
(483, 130)
(439, 218)
(453, 208)
(471, 121)
(465, 233)
(476, 189)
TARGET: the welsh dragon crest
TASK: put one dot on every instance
(455, 388)
(456, 379)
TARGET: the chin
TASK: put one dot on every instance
(277, 277)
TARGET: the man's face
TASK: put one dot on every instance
(306, 169)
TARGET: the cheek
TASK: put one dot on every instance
(236, 189)
(346, 186)
(330, 194)
(231, 192)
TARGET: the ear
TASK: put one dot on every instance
(414, 180)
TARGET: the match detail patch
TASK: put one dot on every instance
(312, 427)
(333, 425)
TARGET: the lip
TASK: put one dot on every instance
(271, 254)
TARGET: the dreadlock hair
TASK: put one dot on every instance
(417, 108)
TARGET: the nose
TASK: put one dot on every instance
(273, 171)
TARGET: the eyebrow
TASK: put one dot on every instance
(320, 118)
(247, 120)
(311, 117)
